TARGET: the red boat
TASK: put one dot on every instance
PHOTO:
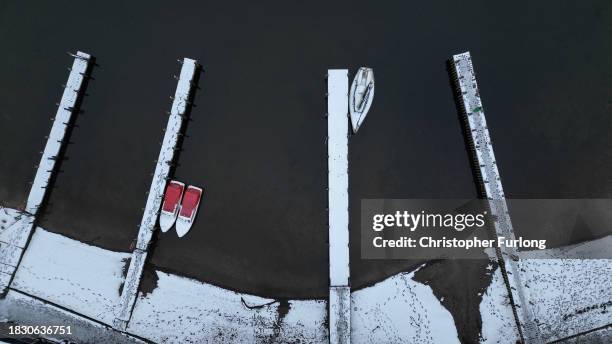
(171, 207)
(189, 209)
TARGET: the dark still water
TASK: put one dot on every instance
(257, 139)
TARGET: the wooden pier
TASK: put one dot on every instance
(491, 188)
(337, 148)
(180, 104)
(13, 240)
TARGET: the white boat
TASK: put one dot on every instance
(361, 96)
(171, 206)
(189, 209)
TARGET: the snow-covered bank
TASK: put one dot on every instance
(181, 310)
(400, 310)
(14, 227)
(8, 217)
(338, 212)
(498, 323)
(71, 274)
(569, 296)
(13, 237)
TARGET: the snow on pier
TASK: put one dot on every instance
(56, 140)
(337, 146)
(491, 183)
(156, 192)
(14, 237)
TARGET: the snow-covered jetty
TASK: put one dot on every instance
(337, 148)
(156, 192)
(14, 238)
(486, 166)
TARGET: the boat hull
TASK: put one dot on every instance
(168, 218)
(184, 223)
(361, 96)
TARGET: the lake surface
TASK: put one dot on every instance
(256, 141)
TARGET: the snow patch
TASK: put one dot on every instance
(498, 323)
(568, 296)
(181, 310)
(71, 274)
(57, 136)
(603, 336)
(400, 310)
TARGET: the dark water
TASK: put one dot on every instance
(256, 142)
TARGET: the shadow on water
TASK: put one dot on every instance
(465, 128)
(186, 120)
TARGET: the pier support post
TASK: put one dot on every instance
(173, 130)
(13, 240)
(489, 178)
(337, 148)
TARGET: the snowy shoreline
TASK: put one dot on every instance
(75, 277)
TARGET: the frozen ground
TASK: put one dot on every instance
(569, 296)
(8, 217)
(400, 310)
(498, 324)
(15, 228)
(86, 279)
(80, 277)
(186, 311)
(395, 310)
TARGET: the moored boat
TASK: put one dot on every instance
(361, 96)
(171, 205)
(189, 209)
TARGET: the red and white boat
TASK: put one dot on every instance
(189, 209)
(171, 205)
